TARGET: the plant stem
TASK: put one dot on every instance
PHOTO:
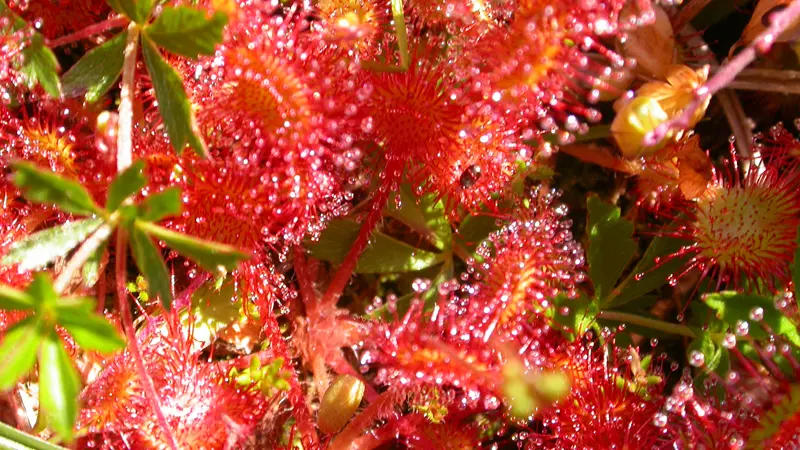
(780, 21)
(653, 324)
(125, 127)
(89, 31)
(133, 345)
(13, 439)
(400, 29)
(85, 251)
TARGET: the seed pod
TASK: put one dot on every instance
(339, 403)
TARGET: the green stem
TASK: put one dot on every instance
(653, 324)
(400, 29)
(13, 439)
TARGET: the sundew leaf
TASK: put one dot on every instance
(151, 264)
(424, 215)
(385, 254)
(18, 350)
(41, 248)
(173, 104)
(42, 186)
(187, 31)
(97, 70)
(59, 385)
(611, 245)
(733, 308)
(211, 256)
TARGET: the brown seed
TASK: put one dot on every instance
(339, 403)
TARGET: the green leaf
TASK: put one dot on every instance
(90, 330)
(59, 385)
(732, 307)
(136, 10)
(475, 229)
(41, 289)
(157, 206)
(13, 439)
(15, 300)
(173, 104)
(151, 264)
(212, 310)
(385, 254)
(650, 272)
(42, 186)
(187, 31)
(97, 70)
(425, 215)
(611, 245)
(575, 315)
(713, 353)
(129, 182)
(39, 249)
(91, 268)
(18, 350)
(40, 65)
(211, 256)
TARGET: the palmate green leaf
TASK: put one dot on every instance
(475, 229)
(59, 385)
(187, 31)
(211, 256)
(40, 65)
(385, 254)
(136, 10)
(129, 182)
(41, 248)
(41, 290)
(173, 104)
(18, 350)
(42, 186)
(151, 264)
(732, 307)
(166, 203)
(15, 300)
(90, 330)
(97, 70)
(611, 245)
(650, 273)
(424, 215)
(91, 268)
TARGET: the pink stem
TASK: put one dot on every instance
(391, 173)
(133, 345)
(762, 44)
(89, 31)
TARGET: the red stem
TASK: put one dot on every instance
(89, 31)
(133, 345)
(780, 21)
(392, 173)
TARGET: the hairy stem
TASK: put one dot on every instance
(762, 44)
(133, 345)
(85, 251)
(125, 127)
(653, 324)
(89, 31)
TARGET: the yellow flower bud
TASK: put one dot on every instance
(637, 118)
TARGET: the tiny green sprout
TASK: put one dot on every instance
(266, 378)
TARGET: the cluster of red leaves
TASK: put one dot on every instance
(300, 107)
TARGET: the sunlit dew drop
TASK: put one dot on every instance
(696, 358)
(421, 285)
(729, 341)
(757, 314)
(742, 328)
(660, 420)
